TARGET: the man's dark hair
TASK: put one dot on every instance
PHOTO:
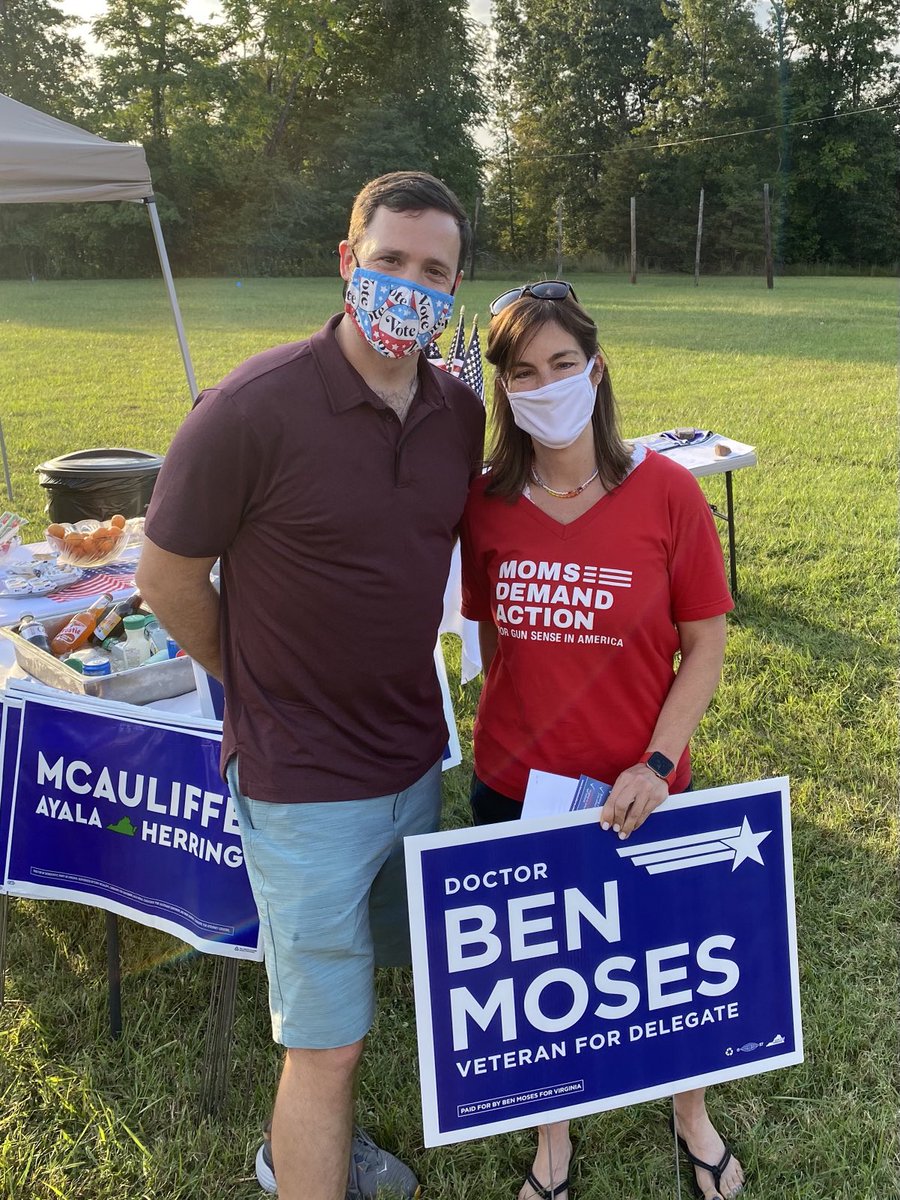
(409, 191)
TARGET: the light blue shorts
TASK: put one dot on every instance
(330, 885)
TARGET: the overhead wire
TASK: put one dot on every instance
(712, 137)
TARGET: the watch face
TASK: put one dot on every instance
(660, 765)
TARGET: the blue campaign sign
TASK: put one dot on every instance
(132, 816)
(9, 736)
(561, 971)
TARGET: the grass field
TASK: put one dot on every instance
(807, 374)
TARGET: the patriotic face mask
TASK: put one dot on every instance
(395, 316)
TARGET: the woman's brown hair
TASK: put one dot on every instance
(511, 452)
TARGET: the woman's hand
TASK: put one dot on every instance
(635, 794)
(638, 791)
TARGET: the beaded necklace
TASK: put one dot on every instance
(570, 495)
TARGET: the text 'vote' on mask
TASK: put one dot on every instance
(396, 316)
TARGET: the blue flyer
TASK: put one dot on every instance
(590, 793)
(561, 971)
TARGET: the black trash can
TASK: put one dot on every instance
(98, 483)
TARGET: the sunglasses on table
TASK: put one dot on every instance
(547, 289)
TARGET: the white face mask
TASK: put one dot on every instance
(555, 415)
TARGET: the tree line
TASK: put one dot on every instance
(259, 128)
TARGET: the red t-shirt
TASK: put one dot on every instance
(586, 617)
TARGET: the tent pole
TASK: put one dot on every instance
(150, 202)
(6, 476)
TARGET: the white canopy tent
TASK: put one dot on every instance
(46, 161)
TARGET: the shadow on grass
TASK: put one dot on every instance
(792, 628)
(57, 956)
(78, 1085)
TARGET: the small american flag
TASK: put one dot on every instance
(434, 356)
(458, 345)
(472, 371)
(114, 577)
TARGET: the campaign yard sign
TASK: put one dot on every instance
(128, 814)
(561, 971)
(10, 720)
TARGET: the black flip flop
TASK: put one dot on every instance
(546, 1193)
(714, 1170)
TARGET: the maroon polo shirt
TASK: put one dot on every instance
(334, 524)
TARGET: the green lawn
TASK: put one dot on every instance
(807, 374)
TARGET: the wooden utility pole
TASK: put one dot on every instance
(474, 236)
(559, 237)
(633, 243)
(509, 193)
(699, 239)
(770, 274)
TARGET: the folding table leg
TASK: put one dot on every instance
(728, 517)
(217, 1055)
(732, 552)
(114, 974)
(4, 921)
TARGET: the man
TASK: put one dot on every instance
(329, 476)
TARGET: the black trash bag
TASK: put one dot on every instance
(95, 484)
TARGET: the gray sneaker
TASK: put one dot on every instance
(373, 1172)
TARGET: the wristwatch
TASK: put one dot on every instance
(661, 766)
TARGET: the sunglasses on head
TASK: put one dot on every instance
(547, 289)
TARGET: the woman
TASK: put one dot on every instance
(589, 564)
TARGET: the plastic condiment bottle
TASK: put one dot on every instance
(32, 630)
(134, 650)
(156, 636)
(80, 627)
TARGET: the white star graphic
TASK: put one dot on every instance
(746, 844)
